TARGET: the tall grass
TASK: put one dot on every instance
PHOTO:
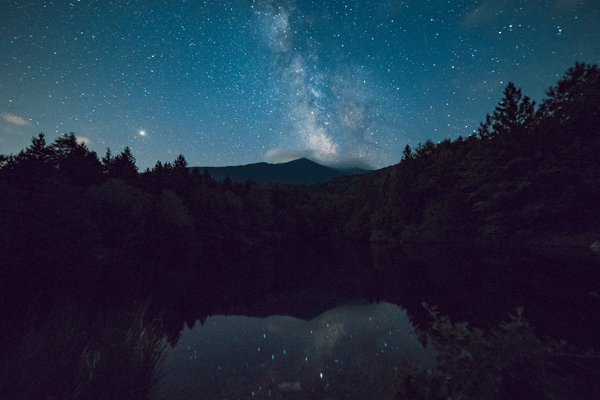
(69, 354)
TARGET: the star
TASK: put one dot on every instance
(335, 81)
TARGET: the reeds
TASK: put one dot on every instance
(69, 354)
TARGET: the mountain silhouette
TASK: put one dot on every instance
(300, 171)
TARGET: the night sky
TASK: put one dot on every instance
(242, 81)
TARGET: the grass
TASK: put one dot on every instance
(69, 354)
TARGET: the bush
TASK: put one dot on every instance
(509, 362)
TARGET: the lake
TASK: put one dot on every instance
(351, 344)
(341, 351)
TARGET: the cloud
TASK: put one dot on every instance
(83, 140)
(12, 124)
(14, 119)
(565, 5)
(492, 10)
(278, 155)
(352, 163)
(486, 12)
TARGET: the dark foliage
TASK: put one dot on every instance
(99, 235)
(524, 175)
(511, 362)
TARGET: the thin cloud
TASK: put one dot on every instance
(83, 140)
(14, 119)
(277, 155)
(485, 13)
(561, 6)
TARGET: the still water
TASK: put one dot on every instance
(343, 351)
(359, 347)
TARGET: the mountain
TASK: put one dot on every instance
(300, 171)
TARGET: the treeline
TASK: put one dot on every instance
(76, 224)
(527, 173)
(91, 228)
(96, 234)
(86, 241)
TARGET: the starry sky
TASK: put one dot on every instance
(243, 81)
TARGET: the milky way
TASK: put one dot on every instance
(325, 107)
(242, 81)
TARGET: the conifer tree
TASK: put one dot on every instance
(180, 163)
(123, 166)
(35, 163)
(572, 107)
(107, 161)
(513, 114)
(407, 154)
(75, 161)
(158, 167)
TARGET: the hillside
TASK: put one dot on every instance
(526, 175)
(300, 171)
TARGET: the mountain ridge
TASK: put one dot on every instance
(299, 171)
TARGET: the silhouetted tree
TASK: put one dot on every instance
(181, 179)
(407, 154)
(158, 167)
(514, 113)
(107, 161)
(572, 107)
(33, 164)
(75, 161)
(180, 163)
(426, 149)
(484, 127)
(4, 160)
(248, 186)
(123, 166)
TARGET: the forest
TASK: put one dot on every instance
(94, 251)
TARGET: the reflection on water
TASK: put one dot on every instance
(341, 351)
(352, 348)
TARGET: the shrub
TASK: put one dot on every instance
(509, 362)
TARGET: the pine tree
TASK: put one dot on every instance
(107, 161)
(75, 161)
(573, 105)
(180, 163)
(514, 114)
(123, 166)
(34, 164)
(158, 167)
(407, 154)
(484, 128)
